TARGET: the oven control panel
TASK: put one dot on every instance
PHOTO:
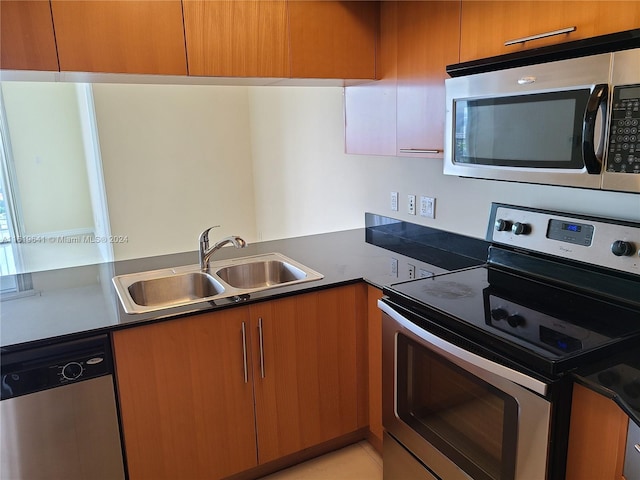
(603, 242)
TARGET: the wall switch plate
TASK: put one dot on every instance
(411, 204)
(394, 201)
(427, 207)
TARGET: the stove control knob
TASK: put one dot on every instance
(71, 371)
(515, 320)
(620, 248)
(499, 314)
(521, 228)
(502, 225)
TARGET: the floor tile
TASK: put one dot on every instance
(355, 462)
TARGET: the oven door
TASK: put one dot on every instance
(461, 415)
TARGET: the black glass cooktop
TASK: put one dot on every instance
(529, 322)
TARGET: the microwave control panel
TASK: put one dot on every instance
(624, 134)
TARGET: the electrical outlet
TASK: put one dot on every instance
(411, 204)
(394, 201)
(427, 207)
(412, 271)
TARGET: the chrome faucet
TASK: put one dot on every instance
(206, 252)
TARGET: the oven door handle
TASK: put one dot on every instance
(464, 355)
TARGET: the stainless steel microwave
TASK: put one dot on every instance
(570, 122)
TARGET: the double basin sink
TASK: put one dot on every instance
(174, 287)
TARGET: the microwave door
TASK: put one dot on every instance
(528, 124)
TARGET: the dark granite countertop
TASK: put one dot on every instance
(81, 301)
(617, 378)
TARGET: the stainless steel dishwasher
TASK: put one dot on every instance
(58, 417)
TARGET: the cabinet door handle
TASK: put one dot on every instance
(260, 336)
(540, 35)
(420, 150)
(244, 352)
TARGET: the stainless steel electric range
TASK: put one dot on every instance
(476, 362)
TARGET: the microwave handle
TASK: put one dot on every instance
(597, 101)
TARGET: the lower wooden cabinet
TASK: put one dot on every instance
(215, 394)
(597, 437)
(186, 409)
(374, 336)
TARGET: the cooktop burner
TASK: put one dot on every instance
(556, 290)
(543, 326)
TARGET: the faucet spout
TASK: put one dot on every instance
(206, 252)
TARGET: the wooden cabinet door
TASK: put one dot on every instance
(487, 25)
(370, 109)
(186, 405)
(237, 39)
(120, 36)
(597, 437)
(333, 39)
(309, 369)
(428, 36)
(26, 36)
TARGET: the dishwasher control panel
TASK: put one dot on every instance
(50, 366)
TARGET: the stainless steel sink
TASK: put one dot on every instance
(260, 274)
(162, 289)
(174, 289)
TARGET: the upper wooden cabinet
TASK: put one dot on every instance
(333, 39)
(370, 108)
(281, 38)
(428, 34)
(237, 39)
(120, 36)
(26, 36)
(487, 25)
(403, 113)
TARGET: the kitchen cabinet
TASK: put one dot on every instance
(370, 109)
(237, 39)
(185, 404)
(374, 334)
(487, 25)
(419, 39)
(309, 365)
(597, 437)
(120, 36)
(187, 386)
(333, 39)
(26, 36)
(428, 36)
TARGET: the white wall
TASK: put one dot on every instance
(306, 184)
(48, 153)
(269, 162)
(176, 160)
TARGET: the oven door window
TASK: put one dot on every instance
(542, 130)
(471, 422)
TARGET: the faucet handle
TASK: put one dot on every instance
(204, 237)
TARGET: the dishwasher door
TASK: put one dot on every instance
(58, 413)
(69, 432)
